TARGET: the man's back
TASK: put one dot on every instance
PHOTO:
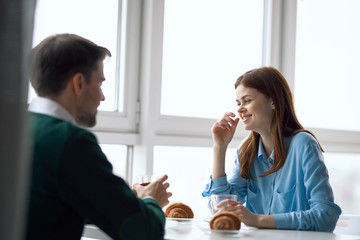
(72, 181)
(48, 212)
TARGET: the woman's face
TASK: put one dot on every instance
(255, 109)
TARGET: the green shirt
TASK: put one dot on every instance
(72, 181)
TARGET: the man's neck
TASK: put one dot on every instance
(66, 101)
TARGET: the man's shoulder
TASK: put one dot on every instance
(50, 125)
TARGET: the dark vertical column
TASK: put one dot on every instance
(16, 26)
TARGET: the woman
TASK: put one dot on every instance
(279, 169)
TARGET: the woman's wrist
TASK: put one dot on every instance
(265, 221)
(220, 148)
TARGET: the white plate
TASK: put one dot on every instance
(232, 232)
(207, 219)
(180, 219)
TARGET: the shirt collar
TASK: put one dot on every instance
(262, 154)
(51, 108)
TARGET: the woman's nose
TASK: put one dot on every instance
(240, 109)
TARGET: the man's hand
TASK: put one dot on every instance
(156, 189)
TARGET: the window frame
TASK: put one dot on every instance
(124, 124)
(279, 51)
(122, 127)
(143, 64)
(332, 140)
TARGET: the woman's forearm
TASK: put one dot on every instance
(218, 162)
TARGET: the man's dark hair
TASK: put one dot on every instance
(57, 58)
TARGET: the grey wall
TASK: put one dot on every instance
(16, 26)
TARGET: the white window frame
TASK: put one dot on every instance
(283, 57)
(156, 129)
(142, 71)
(122, 127)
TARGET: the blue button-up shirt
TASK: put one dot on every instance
(299, 195)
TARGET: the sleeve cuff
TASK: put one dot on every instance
(215, 183)
(218, 182)
(282, 221)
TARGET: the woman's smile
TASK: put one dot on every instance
(245, 117)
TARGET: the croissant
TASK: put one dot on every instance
(225, 221)
(179, 210)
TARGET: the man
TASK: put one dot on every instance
(72, 181)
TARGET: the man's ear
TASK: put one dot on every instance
(78, 83)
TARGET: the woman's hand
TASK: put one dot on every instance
(223, 130)
(246, 216)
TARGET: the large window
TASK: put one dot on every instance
(199, 65)
(326, 83)
(173, 70)
(207, 45)
(108, 24)
(345, 180)
(327, 53)
(98, 23)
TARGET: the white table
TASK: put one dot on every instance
(199, 229)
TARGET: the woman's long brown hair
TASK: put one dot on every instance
(270, 82)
